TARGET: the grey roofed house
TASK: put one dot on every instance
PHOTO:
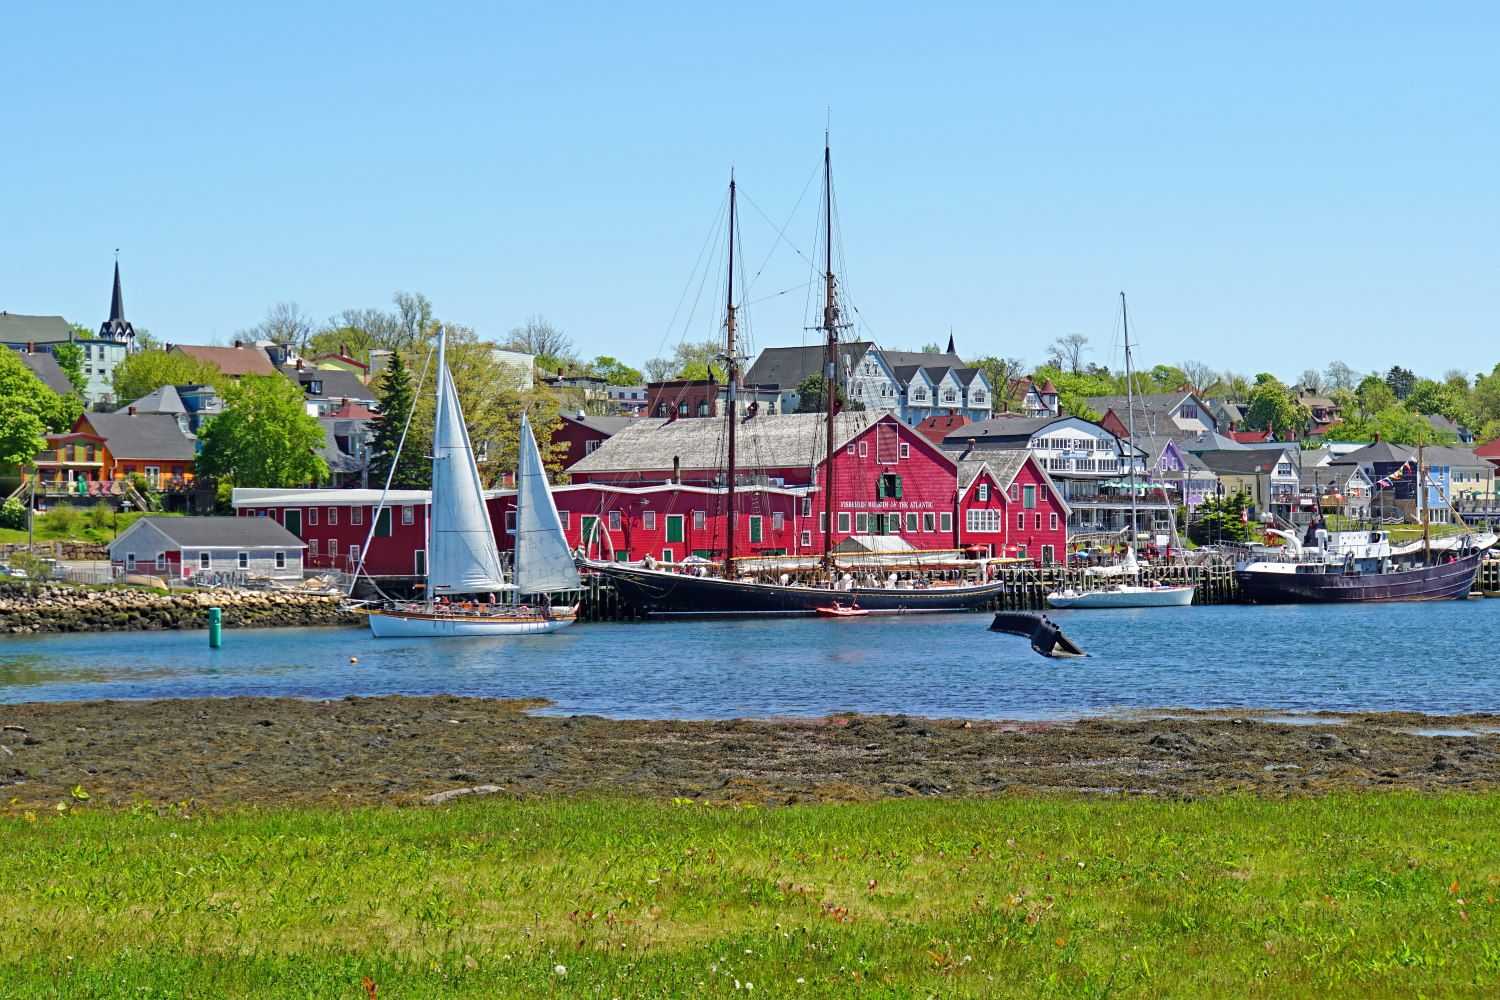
(1196, 441)
(46, 368)
(1153, 410)
(162, 400)
(1152, 446)
(225, 532)
(143, 435)
(331, 383)
(1382, 452)
(998, 432)
(923, 359)
(17, 330)
(787, 367)
(651, 444)
(339, 461)
(1241, 462)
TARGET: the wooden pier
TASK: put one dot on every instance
(1026, 588)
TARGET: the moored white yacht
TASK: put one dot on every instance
(464, 573)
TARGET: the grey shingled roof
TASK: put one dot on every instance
(1381, 451)
(786, 367)
(20, 330)
(1003, 466)
(209, 532)
(163, 400)
(1240, 462)
(145, 435)
(788, 440)
(1151, 410)
(1153, 446)
(46, 368)
(336, 383)
(922, 359)
(996, 429)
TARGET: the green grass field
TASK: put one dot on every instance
(78, 524)
(1374, 895)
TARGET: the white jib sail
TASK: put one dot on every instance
(463, 557)
(543, 562)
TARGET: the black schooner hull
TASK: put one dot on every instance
(660, 593)
(1441, 582)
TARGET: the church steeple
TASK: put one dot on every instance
(117, 328)
(950, 329)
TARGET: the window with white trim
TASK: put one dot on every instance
(130, 560)
(905, 449)
(356, 515)
(982, 519)
(1037, 521)
(806, 539)
(777, 519)
(864, 449)
(408, 514)
(945, 519)
(911, 522)
(1015, 491)
(510, 522)
(281, 560)
(984, 493)
(699, 519)
(205, 560)
(807, 506)
(333, 515)
(1052, 522)
(312, 515)
(243, 560)
(312, 547)
(614, 520)
(1047, 556)
(861, 522)
(161, 560)
(929, 522)
(648, 520)
(1021, 521)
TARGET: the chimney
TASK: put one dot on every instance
(131, 411)
(299, 364)
(581, 414)
(1377, 437)
(344, 350)
(676, 469)
(237, 345)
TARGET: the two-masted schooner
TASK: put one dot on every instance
(664, 592)
(466, 591)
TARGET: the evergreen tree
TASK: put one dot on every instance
(412, 470)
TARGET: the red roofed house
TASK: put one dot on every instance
(938, 427)
(241, 359)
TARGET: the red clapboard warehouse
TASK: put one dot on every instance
(656, 488)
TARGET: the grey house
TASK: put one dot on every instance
(184, 547)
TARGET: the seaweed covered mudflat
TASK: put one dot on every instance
(407, 750)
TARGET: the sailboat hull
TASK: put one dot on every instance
(1124, 597)
(660, 593)
(401, 624)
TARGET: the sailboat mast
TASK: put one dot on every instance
(515, 555)
(1129, 418)
(442, 373)
(831, 352)
(732, 373)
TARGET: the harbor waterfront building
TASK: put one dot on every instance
(1089, 464)
(180, 548)
(657, 489)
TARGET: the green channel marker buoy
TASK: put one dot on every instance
(215, 628)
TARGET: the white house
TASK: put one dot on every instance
(183, 547)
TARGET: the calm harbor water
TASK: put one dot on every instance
(1432, 658)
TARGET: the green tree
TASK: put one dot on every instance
(413, 472)
(1400, 381)
(615, 371)
(81, 332)
(146, 371)
(690, 360)
(1221, 519)
(264, 437)
(813, 398)
(1373, 395)
(1003, 374)
(70, 360)
(1168, 378)
(1272, 406)
(24, 409)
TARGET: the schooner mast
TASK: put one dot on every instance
(1130, 426)
(830, 328)
(732, 376)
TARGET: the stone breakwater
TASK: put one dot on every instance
(54, 608)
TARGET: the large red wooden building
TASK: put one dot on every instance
(657, 488)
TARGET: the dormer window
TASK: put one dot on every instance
(315, 386)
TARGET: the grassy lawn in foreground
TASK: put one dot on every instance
(1374, 895)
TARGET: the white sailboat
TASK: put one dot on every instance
(1125, 595)
(463, 567)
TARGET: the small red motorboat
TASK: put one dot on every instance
(842, 611)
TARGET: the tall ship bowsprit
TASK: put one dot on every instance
(1329, 567)
(877, 583)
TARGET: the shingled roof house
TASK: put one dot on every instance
(914, 384)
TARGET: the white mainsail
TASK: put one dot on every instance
(462, 557)
(543, 562)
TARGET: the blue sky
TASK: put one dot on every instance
(1275, 187)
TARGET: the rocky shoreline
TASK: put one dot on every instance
(269, 752)
(46, 607)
